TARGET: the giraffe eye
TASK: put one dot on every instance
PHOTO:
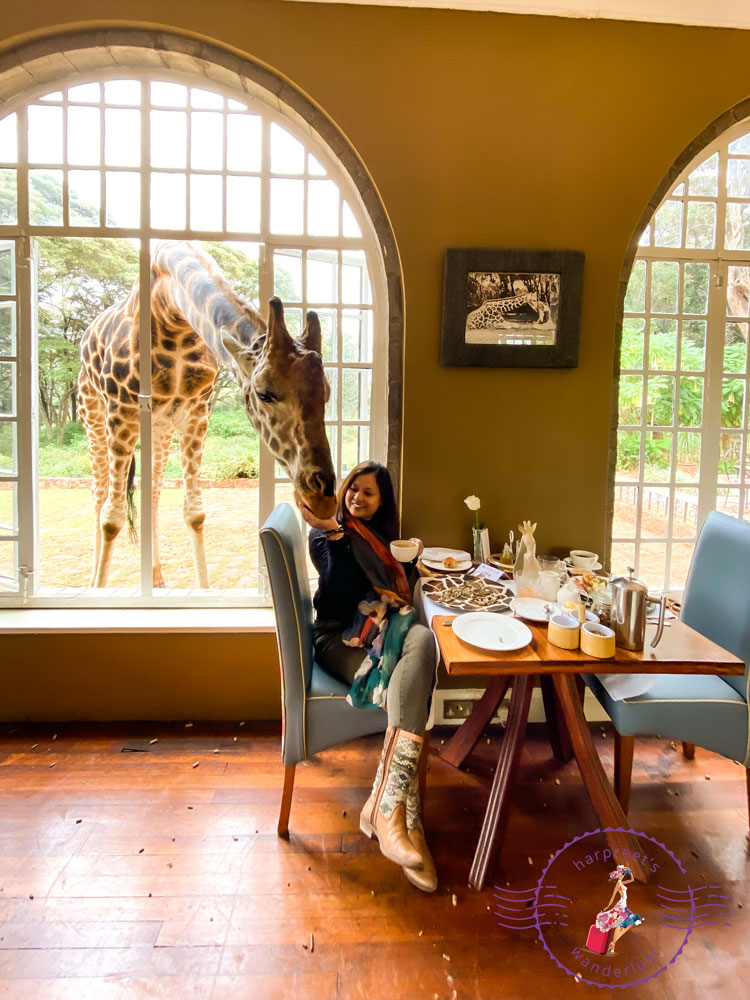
(265, 397)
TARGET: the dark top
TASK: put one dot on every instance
(342, 582)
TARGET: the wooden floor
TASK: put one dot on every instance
(128, 872)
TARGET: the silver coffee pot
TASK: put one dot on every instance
(630, 600)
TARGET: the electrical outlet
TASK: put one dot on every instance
(458, 708)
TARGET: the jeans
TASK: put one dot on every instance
(413, 678)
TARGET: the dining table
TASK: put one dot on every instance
(681, 650)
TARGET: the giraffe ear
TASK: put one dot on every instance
(236, 350)
(312, 337)
(277, 335)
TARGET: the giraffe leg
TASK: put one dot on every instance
(161, 442)
(192, 441)
(121, 441)
(92, 412)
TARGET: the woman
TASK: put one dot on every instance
(365, 634)
(618, 918)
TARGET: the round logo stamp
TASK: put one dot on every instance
(602, 926)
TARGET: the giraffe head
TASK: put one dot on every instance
(285, 392)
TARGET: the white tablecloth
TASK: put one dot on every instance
(617, 686)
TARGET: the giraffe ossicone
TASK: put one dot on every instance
(198, 324)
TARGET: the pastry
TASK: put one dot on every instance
(450, 563)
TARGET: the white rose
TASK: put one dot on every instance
(473, 503)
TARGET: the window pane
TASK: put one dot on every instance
(9, 139)
(287, 154)
(168, 139)
(322, 208)
(86, 93)
(738, 178)
(738, 291)
(355, 394)
(8, 456)
(693, 351)
(623, 555)
(662, 345)
(200, 98)
(655, 513)
(45, 197)
(205, 202)
(705, 178)
(7, 268)
(652, 565)
(123, 199)
(332, 412)
(701, 224)
(84, 197)
(206, 140)
(84, 136)
(122, 92)
(321, 277)
(9, 561)
(668, 225)
(628, 455)
(631, 399)
(168, 201)
(635, 296)
(631, 349)
(243, 204)
(243, 142)
(329, 348)
(8, 197)
(170, 95)
(7, 328)
(357, 335)
(351, 226)
(122, 137)
(7, 388)
(737, 226)
(682, 555)
(293, 320)
(688, 456)
(691, 401)
(287, 276)
(314, 167)
(732, 402)
(695, 293)
(735, 347)
(660, 400)
(664, 286)
(287, 201)
(45, 132)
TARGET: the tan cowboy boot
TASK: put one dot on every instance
(384, 814)
(424, 878)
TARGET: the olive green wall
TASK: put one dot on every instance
(479, 130)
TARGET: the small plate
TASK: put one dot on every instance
(437, 554)
(492, 631)
(532, 608)
(582, 569)
(439, 588)
(463, 565)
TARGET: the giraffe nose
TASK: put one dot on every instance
(323, 483)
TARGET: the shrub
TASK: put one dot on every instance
(241, 467)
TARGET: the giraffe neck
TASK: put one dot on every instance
(197, 292)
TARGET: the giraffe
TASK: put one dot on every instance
(197, 324)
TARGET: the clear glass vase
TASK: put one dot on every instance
(481, 544)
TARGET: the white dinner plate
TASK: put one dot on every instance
(532, 608)
(463, 565)
(437, 554)
(496, 633)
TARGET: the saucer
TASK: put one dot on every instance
(582, 569)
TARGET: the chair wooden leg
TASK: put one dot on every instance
(688, 750)
(623, 768)
(422, 768)
(286, 800)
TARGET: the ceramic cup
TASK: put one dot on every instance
(583, 559)
(404, 550)
(563, 631)
(597, 640)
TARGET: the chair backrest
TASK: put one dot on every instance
(284, 549)
(717, 592)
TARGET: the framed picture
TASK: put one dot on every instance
(511, 308)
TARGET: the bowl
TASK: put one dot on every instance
(583, 559)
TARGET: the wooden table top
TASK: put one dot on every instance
(681, 650)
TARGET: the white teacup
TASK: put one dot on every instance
(583, 559)
(404, 550)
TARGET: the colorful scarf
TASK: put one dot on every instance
(382, 619)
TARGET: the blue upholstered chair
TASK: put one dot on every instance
(315, 713)
(704, 710)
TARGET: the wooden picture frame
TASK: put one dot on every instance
(511, 308)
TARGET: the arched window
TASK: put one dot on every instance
(684, 417)
(95, 170)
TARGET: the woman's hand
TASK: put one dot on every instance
(327, 524)
(420, 545)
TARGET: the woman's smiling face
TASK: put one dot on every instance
(363, 496)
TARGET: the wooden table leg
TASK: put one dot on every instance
(465, 739)
(557, 729)
(496, 816)
(600, 791)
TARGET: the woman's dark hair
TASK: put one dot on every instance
(385, 520)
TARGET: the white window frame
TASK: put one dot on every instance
(26, 340)
(719, 261)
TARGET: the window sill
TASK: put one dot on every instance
(19, 621)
